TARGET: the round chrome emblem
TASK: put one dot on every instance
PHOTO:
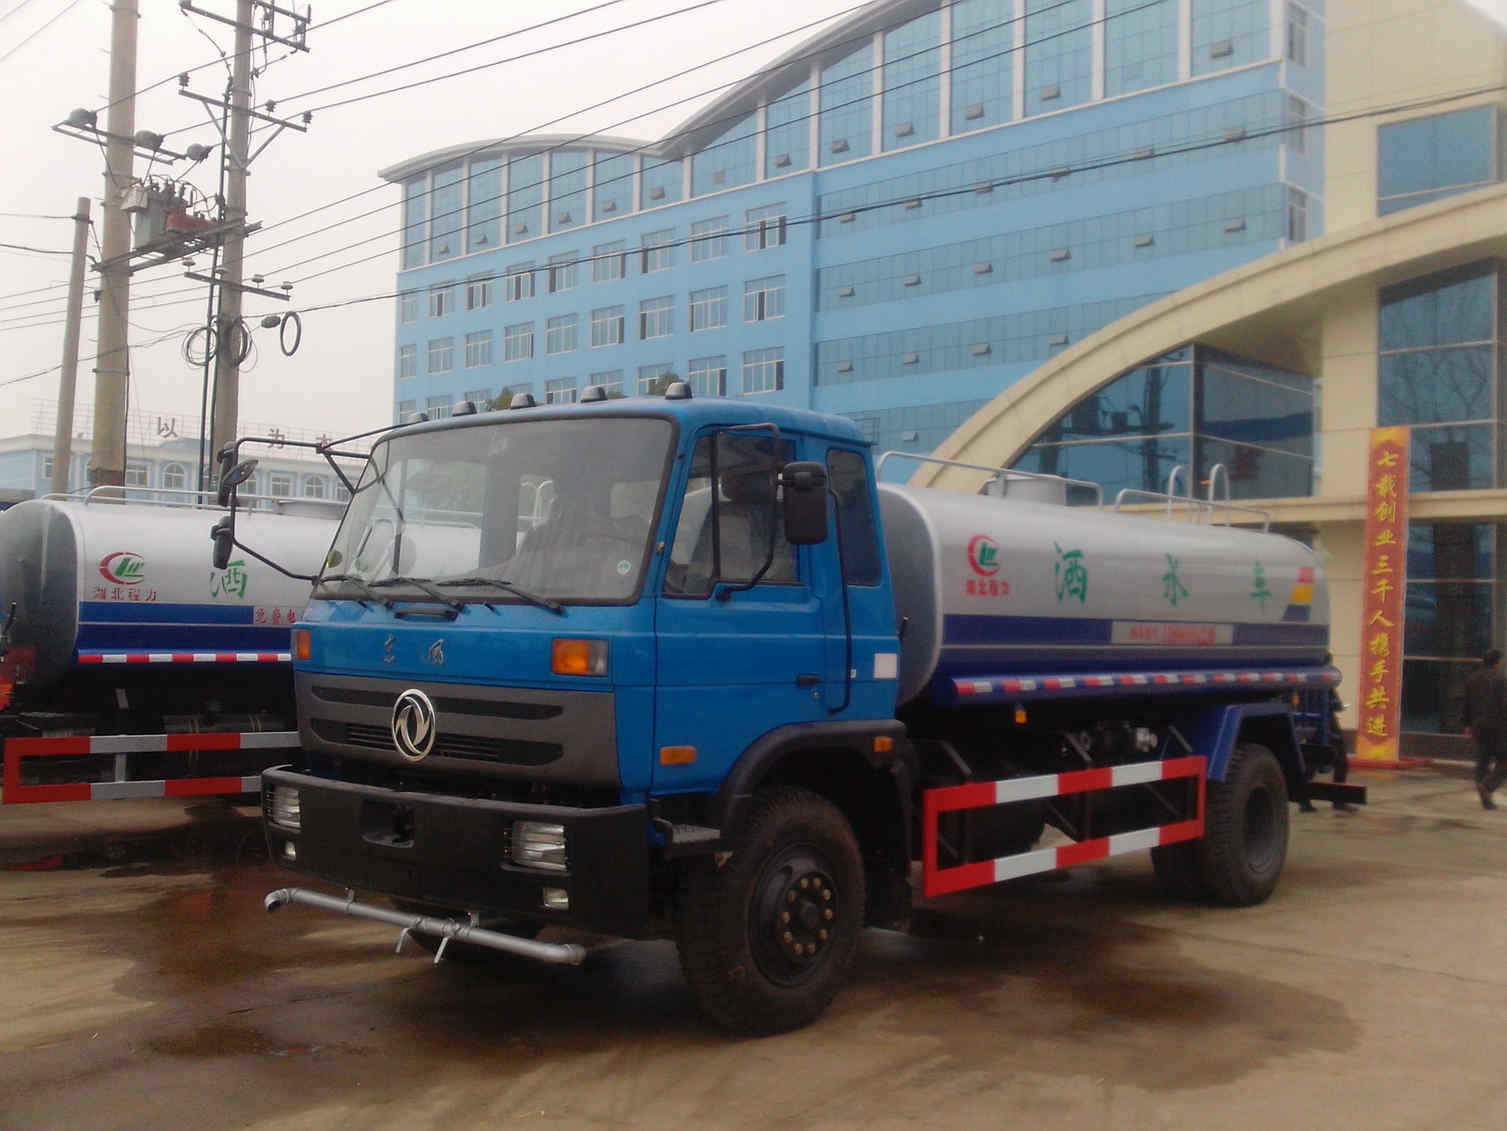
(413, 725)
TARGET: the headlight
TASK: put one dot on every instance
(538, 845)
(285, 809)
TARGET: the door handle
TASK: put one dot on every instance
(807, 679)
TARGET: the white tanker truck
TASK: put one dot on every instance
(129, 667)
(731, 688)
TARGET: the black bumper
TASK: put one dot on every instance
(452, 852)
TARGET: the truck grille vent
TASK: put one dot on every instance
(513, 752)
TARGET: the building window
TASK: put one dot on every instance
(280, 483)
(983, 60)
(609, 381)
(847, 111)
(613, 187)
(1059, 54)
(656, 318)
(606, 326)
(1297, 124)
(912, 81)
(518, 342)
(708, 308)
(1450, 605)
(479, 397)
(479, 293)
(316, 487)
(1297, 35)
(560, 334)
(519, 282)
(658, 252)
(408, 307)
(445, 214)
(766, 227)
(1427, 159)
(764, 370)
(787, 131)
(729, 159)
(1297, 215)
(415, 212)
(438, 407)
(707, 376)
(441, 354)
(1140, 45)
(562, 272)
(408, 361)
(567, 188)
(661, 182)
(609, 261)
(709, 239)
(406, 409)
(484, 204)
(653, 380)
(525, 196)
(47, 469)
(560, 390)
(764, 299)
(174, 476)
(478, 349)
(441, 300)
(1438, 372)
(1228, 33)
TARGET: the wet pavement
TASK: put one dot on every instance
(142, 984)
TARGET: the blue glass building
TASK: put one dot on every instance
(893, 222)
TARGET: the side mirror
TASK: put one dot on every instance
(805, 503)
(222, 534)
(230, 480)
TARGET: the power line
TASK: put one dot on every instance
(38, 250)
(14, 10)
(68, 8)
(32, 216)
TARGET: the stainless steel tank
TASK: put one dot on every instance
(996, 586)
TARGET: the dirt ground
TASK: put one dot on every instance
(142, 984)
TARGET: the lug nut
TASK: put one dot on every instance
(805, 883)
(826, 913)
(790, 897)
(822, 934)
(798, 951)
(784, 916)
(789, 937)
(826, 895)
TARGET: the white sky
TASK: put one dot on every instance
(342, 375)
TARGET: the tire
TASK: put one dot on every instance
(1245, 828)
(795, 881)
(1180, 869)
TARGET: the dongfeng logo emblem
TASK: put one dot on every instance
(413, 725)
(436, 654)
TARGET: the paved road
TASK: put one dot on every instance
(142, 985)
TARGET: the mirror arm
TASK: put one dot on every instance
(309, 577)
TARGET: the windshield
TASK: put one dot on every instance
(558, 509)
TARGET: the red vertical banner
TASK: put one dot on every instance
(1383, 588)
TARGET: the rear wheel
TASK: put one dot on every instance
(1245, 828)
(766, 940)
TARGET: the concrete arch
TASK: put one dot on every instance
(1269, 310)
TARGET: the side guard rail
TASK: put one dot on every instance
(560, 954)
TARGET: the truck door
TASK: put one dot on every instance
(735, 659)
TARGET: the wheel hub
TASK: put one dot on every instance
(799, 910)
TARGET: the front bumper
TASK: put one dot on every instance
(453, 852)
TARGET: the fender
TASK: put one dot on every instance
(1214, 731)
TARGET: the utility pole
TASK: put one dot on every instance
(112, 365)
(229, 332)
(62, 437)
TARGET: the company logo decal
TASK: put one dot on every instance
(123, 568)
(436, 653)
(983, 555)
(413, 725)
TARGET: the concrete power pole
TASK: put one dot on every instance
(112, 365)
(62, 437)
(230, 338)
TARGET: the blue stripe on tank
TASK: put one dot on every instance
(182, 638)
(162, 612)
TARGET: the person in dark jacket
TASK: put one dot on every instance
(1486, 722)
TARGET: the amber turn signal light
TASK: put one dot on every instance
(578, 657)
(677, 755)
(300, 643)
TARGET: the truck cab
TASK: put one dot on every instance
(554, 652)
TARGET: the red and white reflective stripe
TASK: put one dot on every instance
(977, 795)
(115, 744)
(148, 743)
(185, 657)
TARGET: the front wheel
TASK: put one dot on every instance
(766, 940)
(1245, 828)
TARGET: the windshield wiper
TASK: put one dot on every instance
(508, 587)
(357, 583)
(421, 584)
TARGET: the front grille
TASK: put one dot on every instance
(510, 751)
(486, 708)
